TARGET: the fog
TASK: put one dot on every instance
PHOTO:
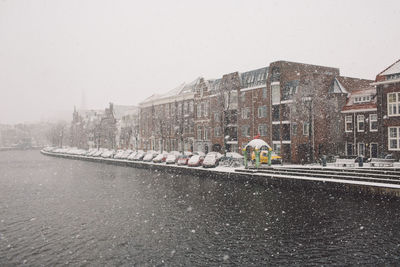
(57, 54)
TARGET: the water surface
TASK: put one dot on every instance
(57, 211)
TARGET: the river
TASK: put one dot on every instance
(56, 211)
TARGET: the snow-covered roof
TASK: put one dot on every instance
(254, 78)
(393, 69)
(338, 88)
(258, 143)
(182, 89)
(361, 100)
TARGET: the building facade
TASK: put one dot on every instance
(388, 109)
(361, 131)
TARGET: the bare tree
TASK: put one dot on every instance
(161, 121)
(179, 123)
(57, 134)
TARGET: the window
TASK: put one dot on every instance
(294, 128)
(167, 109)
(191, 106)
(276, 93)
(349, 123)
(264, 92)
(199, 130)
(262, 111)
(198, 110)
(276, 132)
(216, 117)
(245, 113)
(185, 107)
(362, 99)
(243, 97)
(206, 133)
(394, 138)
(277, 149)
(179, 108)
(306, 128)
(360, 123)
(245, 130)
(393, 104)
(217, 131)
(373, 123)
(203, 109)
(262, 129)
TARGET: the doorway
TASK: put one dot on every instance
(374, 150)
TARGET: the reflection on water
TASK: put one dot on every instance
(58, 211)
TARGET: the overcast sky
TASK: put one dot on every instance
(54, 52)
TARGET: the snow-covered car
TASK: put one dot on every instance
(199, 153)
(125, 154)
(132, 155)
(195, 161)
(139, 156)
(98, 153)
(183, 160)
(160, 158)
(118, 154)
(211, 160)
(149, 156)
(171, 159)
(108, 154)
(188, 153)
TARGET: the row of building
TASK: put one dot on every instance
(304, 111)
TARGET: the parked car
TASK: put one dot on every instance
(132, 155)
(139, 156)
(160, 157)
(98, 153)
(183, 160)
(211, 160)
(126, 154)
(172, 157)
(108, 154)
(195, 161)
(150, 155)
(275, 159)
(199, 153)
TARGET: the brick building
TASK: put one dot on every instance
(388, 109)
(295, 107)
(361, 133)
(253, 106)
(167, 120)
(305, 103)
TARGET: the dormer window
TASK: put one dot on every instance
(362, 99)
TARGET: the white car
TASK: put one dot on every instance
(195, 160)
(107, 154)
(171, 159)
(132, 155)
(139, 156)
(118, 154)
(211, 160)
(149, 156)
(126, 154)
(160, 158)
